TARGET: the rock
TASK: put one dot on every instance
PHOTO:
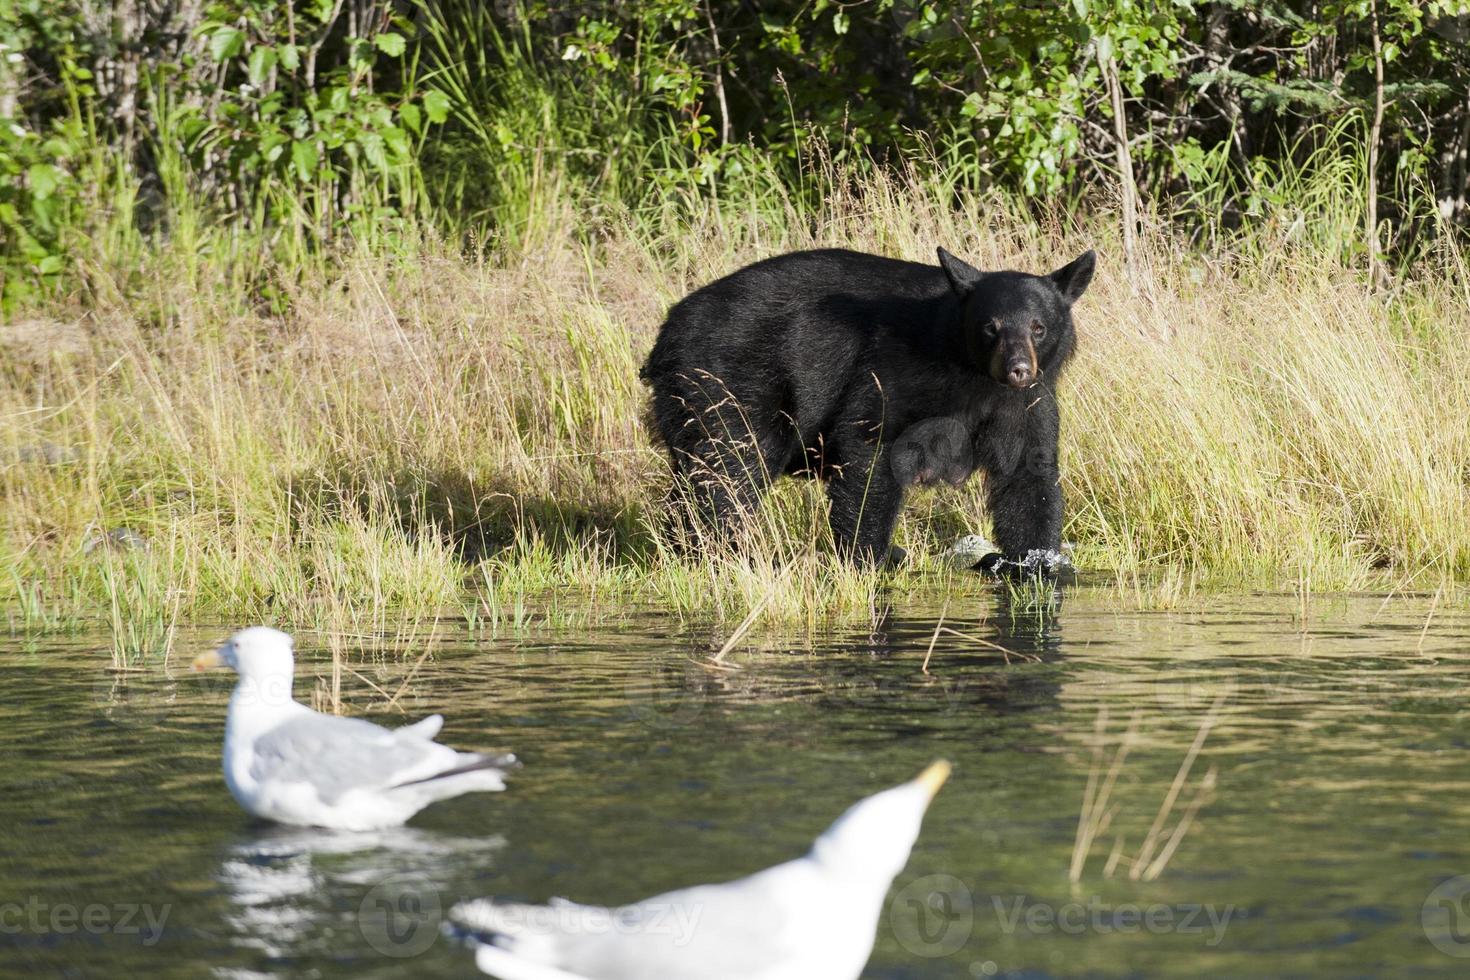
(967, 551)
(49, 454)
(118, 539)
(37, 342)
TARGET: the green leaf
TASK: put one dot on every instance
(226, 43)
(290, 57)
(393, 45)
(436, 105)
(359, 54)
(262, 60)
(373, 150)
(304, 158)
(397, 142)
(43, 179)
(272, 145)
(412, 117)
(840, 23)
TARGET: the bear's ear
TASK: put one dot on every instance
(1072, 279)
(962, 275)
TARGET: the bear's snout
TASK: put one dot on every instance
(1020, 374)
(1013, 360)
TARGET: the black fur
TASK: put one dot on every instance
(871, 374)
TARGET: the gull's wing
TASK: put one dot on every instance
(423, 728)
(766, 925)
(338, 755)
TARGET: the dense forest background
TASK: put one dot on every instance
(302, 125)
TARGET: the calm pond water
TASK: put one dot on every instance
(1336, 840)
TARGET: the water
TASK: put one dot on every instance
(1339, 753)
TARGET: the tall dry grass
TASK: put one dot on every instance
(427, 433)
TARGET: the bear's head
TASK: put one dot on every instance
(1017, 326)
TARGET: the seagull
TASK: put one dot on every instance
(814, 918)
(288, 763)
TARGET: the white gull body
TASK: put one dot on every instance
(288, 763)
(814, 918)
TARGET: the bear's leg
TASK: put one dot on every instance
(719, 487)
(1022, 485)
(1026, 506)
(723, 467)
(865, 501)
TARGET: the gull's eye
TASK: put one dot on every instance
(1037, 330)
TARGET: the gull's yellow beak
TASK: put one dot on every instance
(934, 776)
(211, 659)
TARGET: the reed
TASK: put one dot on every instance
(416, 431)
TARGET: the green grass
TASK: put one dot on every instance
(408, 433)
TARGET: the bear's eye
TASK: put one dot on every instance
(1037, 330)
(991, 327)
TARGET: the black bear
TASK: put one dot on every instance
(872, 374)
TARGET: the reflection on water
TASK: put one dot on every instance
(1334, 841)
(284, 882)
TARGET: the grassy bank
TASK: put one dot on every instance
(426, 433)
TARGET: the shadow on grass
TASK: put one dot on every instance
(477, 519)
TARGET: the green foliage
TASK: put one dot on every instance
(308, 123)
(291, 113)
(1029, 73)
(279, 118)
(38, 199)
(41, 164)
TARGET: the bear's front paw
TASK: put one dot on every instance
(1038, 563)
(994, 563)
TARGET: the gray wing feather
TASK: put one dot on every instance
(424, 727)
(337, 755)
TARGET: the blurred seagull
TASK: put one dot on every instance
(287, 763)
(814, 918)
